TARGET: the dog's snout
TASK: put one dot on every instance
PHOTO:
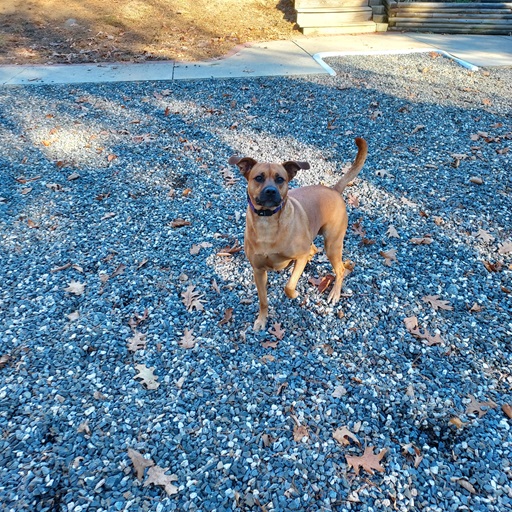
(269, 197)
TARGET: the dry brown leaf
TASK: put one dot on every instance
(418, 128)
(277, 331)
(192, 299)
(353, 200)
(411, 323)
(493, 267)
(196, 248)
(426, 240)
(269, 344)
(409, 450)
(300, 432)
(368, 461)
(483, 235)
(75, 288)
(228, 315)
(111, 157)
(457, 422)
(137, 342)
(157, 476)
(480, 408)
(84, 428)
(139, 462)
(392, 232)
(4, 360)
(187, 340)
(343, 436)
(436, 303)
(75, 315)
(179, 223)
(464, 483)
(228, 251)
(137, 319)
(339, 391)
(119, 270)
(215, 287)
(357, 228)
(389, 256)
(32, 224)
(505, 248)
(146, 376)
(506, 408)
(475, 308)
(322, 283)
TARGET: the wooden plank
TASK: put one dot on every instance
(450, 11)
(452, 5)
(432, 21)
(429, 15)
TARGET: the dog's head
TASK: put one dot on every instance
(267, 184)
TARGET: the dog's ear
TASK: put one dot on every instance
(245, 164)
(293, 167)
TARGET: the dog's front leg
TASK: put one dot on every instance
(298, 268)
(260, 277)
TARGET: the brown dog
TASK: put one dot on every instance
(281, 224)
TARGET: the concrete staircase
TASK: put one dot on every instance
(341, 16)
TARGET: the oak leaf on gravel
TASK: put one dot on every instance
(322, 283)
(147, 377)
(137, 342)
(228, 315)
(343, 436)
(157, 476)
(192, 299)
(368, 461)
(75, 288)
(480, 408)
(187, 340)
(389, 257)
(437, 303)
(277, 331)
(139, 462)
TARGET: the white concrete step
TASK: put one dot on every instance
(332, 17)
(363, 27)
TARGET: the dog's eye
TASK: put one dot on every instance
(279, 180)
(260, 179)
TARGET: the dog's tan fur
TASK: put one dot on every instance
(273, 242)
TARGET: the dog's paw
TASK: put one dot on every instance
(260, 323)
(291, 294)
(334, 296)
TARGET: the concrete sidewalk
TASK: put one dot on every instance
(302, 56)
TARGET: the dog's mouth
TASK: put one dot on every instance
(268, 203)
(269, 197)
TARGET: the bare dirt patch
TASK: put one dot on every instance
(73, 31)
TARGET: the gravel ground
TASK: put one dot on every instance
(94, 177)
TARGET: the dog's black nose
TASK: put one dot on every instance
(270, 192)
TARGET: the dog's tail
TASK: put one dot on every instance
(356, 166)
